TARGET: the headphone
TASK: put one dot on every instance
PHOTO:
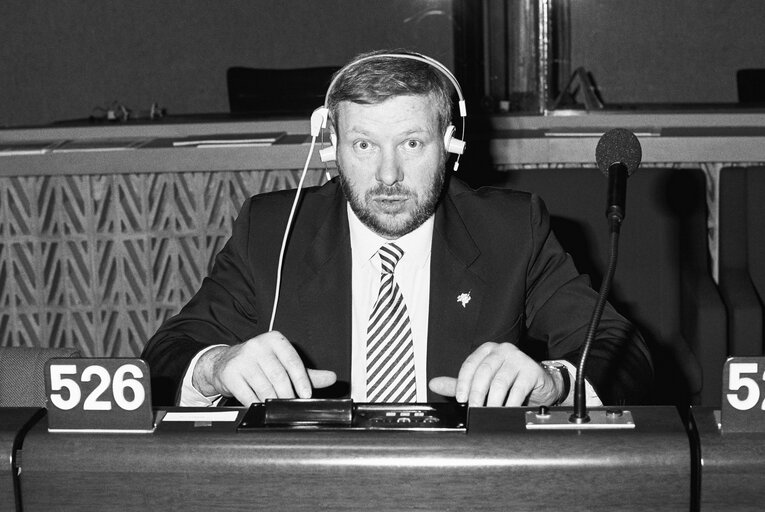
(451, 143)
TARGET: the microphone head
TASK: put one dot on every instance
(618, 146)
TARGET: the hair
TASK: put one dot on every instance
(375, 80)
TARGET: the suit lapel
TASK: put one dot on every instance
(456, 294)
(325, 293)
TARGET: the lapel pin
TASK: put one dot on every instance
(463, 298)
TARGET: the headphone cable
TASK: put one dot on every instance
(287, 230)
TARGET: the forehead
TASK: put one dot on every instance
(396, 114)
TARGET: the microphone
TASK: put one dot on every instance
(618, 154)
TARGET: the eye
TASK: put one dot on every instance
(413, 144)
(362, 145)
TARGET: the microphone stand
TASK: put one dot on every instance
(580, 415)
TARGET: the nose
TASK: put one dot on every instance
(389, 172)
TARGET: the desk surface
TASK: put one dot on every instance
(119, 149)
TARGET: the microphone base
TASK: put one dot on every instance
(560, 419)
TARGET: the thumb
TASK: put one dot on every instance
(321, 378)
(445, 386)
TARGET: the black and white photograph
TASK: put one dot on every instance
(389, 255)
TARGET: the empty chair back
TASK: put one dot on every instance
(737, 235)
(750, 84)
(755, 206)
(22, 377)
(277, 92)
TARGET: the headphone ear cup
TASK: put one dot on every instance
(451, 144)
(329, 154)
(318, 120)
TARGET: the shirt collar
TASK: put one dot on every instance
(365, 243)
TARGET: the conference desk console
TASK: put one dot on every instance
(397, 459)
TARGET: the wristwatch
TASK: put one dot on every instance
(552, 368)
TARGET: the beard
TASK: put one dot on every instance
(399, 224)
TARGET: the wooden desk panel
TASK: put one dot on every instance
(13, 423)
(732, 466)
(501, 467)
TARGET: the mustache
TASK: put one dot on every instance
(397, 189)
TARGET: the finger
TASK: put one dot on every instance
(320, 379)
(484, 374)
(243, 392)
(261, 384)
(468, 369)
(444, 386)
(297, 376)
(522, 387)
(278, 380)
(500, 385)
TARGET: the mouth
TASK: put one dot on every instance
(390, 204)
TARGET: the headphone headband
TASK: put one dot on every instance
(452, 144)
(411, 56)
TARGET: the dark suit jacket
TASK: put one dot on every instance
(494, 244)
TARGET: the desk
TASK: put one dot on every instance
(732, 465)
(14, 422)
(689, 138)
(150, 149)
(496, 465)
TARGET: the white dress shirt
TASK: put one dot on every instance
(413, 277)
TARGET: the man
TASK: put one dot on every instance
(482, 279)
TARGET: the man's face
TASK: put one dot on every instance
(391, 161)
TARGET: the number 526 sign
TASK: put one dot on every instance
(98, 394)
(743, 396)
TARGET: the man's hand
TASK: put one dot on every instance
(499, 374)
(266, 366)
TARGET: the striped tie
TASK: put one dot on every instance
(390, 348)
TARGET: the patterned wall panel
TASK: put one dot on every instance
(99, 261)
